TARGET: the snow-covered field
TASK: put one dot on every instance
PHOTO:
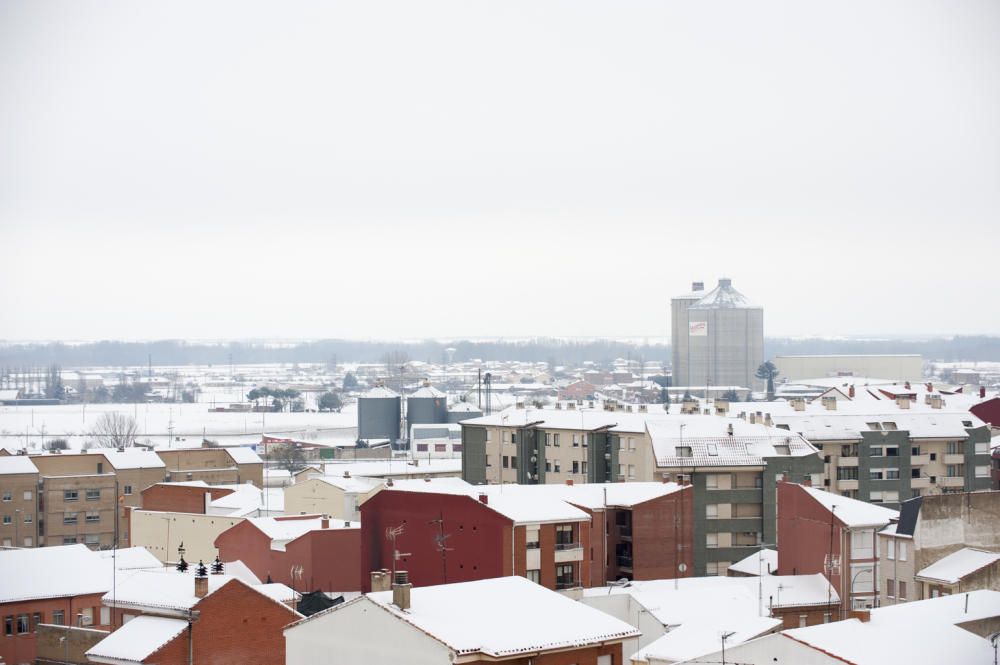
(170, 424)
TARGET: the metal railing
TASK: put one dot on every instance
(568, 546)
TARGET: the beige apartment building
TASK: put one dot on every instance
(77, 500)
(339, 497)
(216, 466)
(18, 504)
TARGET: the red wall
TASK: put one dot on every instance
(179, 498)
(237, 625)
(804, 533)
(330, 558)
(478, 542)
(21, 648)
(655, 536)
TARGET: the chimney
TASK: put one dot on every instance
(569, 481)
(767, 420)
(729, 429)
(697, 286)
(906, 385)
(799, 404)
(200, 586)
(324, 522)
(380, 580)
(725, 282)
(830, 403)
(930, 387)
(388, 482)
(483, 498)
(903, 402)
(427, 479)
(982, 392)
(850, 391)
(753, 418)
(347, 474)
(401, 590)
(936, 401)
(861, 615)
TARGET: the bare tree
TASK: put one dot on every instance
(114, 430)
(287, 456)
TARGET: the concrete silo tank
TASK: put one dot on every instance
(379, 414)
(426, 406)
(726, 339)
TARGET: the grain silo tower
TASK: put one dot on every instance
(426, 406)
(679, 332)
(379, 414)
(725, 339)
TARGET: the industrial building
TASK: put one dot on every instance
(897, 367)
(718, 338)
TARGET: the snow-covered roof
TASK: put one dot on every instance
(426, 392)
(379, 392)
(852, 512)
(244, 455)
(13, 464)
(500, 617)
(348, 484)
(763, 561)
(922, 632)
(958, 565)
(723, 296)
(167, 591)
(511, 501)
(137, 639)
(282, 530)
(131, 558)
(394, 468)
(588, 495)
(279, 592)
(711, 445)
(133, 458)
(60, 571)
(244, 500)
(697, 639)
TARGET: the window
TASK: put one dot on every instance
(28, 495)
(712, 568)
(440, 447)
(982, 472)
(876, 474)
(69, 518)
(555, 439)
(712, 511)
(890, 588)
(58, 618)
(8, 625)
(455, 448)
(956, 470)
(782, 449)
(890, 548)
(8, 496)
(576, 441)
(876, 451)
(7, 542)
(421, 447)
(631, 471)
(29, 541)
(711, 540)
(100, 467)
(513, 461)
(982, 448)
(105, 616)
(556, 466)
(901, 550)
(565, 577)
(683, 451)
(489, 435)
(803, 620)
(892, 451)
(531, 539)
(70, 495)
(576, 467)
(914, 451)
(93, 516)
(956, 447)
(69, 540)
(564, 537)
(94, 495)
(504, 461)
(92, 539)
(22, 624)
(889, 426)
(863, 579)
(902, 590)
(827, 617)
(28, 518)
(847, 473)
(534, 576)
(548, 465)
(36, 619)
(631, 443)
(583, 468)
(7, 519)
(713, 449)
(914, 472)
(875, 426)
(712, 481)
(892, 474)
(861, 543)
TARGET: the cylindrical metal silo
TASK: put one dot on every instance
(726, 339)
(379, 414)
(426, 406)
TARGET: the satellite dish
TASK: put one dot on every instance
(682, 567)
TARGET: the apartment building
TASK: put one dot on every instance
(823, 532)
(887, 445)
(931, 529)
(733, 463)
(216, 466)
(18, 502)
(340, 497)
(449, 531)
(78, 500)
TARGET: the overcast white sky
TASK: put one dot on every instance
(415, 169)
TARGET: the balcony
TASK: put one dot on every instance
(920, 483)
(954, 458)
(847, 461)
(566, 552)
(920, 460)
(951, 481)
(624, 530)
(847, 484)
(562, 585)
(624, 562)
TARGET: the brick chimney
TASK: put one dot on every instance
(850, 391)
(484, 498)
(401, 590)
(324, 522)
(982, 392)
(861, 615)
(200, 586)
(569, 481)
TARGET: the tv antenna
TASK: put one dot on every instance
(441, 544)
(391, 534)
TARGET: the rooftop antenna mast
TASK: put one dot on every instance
(440, 542)
(391, 534)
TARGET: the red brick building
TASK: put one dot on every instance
(231, 622)
(451, 532)
(308, 552)
(822, 532)
(192, 497)
(60, 585)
